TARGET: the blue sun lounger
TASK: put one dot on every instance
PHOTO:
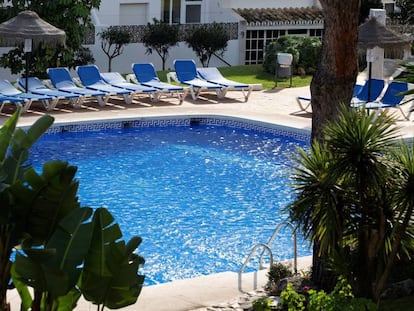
(305, 102)
(117, 80)
(36, 86)
(10, 100)
(145, 74)
(392, 98)
(62, 81)
(374, 87)
(186, 72)
(91, 78)
(8, 89)
(213, 75)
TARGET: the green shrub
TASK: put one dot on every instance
(341, 298)
(277, 272)
(305, 52)
(262, 304)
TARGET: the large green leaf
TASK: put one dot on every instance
(46, 198)
(6, 133)
(56, 268)
(14, 164)
(105, 232)
(110, 276)
(71, 240)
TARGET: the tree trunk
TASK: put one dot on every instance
(334, 81)
(336, 74)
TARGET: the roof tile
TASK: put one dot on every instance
(281, 15)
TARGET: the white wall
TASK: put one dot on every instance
(135, 53)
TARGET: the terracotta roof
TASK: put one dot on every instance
(271, 16)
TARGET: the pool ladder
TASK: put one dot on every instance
(267, 249)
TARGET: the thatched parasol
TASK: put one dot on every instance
(29, 29)
(374, 34)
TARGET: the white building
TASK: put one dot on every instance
(251, 26)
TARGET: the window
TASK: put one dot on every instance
(133, 14)
(171, 10)
(192, 13)
(181, 11)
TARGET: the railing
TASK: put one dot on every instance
(267, 249)
(261, 266)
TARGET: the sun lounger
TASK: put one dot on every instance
(392, 98)
(8, 89)
(36, 86)
(186, 72)
(10, 100)
(117, 80)
(305, 102)
(63, 81)
(374, 87)
(91, 78)
(213, 75)
(145, 74)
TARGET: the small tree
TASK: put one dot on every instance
(355, 197)
(113, 41)
(405, 13)
(72, 16)
(208, 40)
(160, 37)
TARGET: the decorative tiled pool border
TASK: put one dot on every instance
(183, 121)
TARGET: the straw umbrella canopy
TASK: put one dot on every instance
(29, 29)
(374, 34)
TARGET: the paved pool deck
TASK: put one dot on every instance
(276, 106)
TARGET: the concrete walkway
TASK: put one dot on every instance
(270, 106)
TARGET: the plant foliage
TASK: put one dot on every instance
(355, 197)
(305, 52)
(207, 40)
(160, 37)
(341, 298)
(60, 248)
(72, 16)
(113, 40)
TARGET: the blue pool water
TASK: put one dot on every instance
(200, 196)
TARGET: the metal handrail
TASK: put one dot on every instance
(275, 233)
(265, 248)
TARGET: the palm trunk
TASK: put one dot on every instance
(335, 77)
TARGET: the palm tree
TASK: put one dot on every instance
(354, 197)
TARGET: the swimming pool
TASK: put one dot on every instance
(200, 195)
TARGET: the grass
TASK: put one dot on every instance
(254, 74)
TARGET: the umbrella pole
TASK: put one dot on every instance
(27, 72)
(27, 49)
(369, 81)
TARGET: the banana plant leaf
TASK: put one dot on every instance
(110, 276)
(14, 164)
(46, 199)
(6, 133)
(56, 268)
